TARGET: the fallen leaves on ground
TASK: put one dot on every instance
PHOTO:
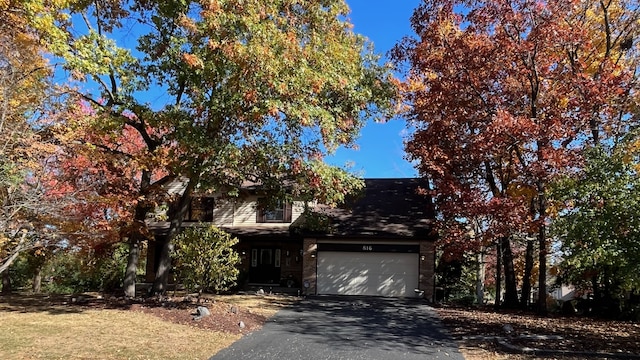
(476, 331)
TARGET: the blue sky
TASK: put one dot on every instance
(381, 149)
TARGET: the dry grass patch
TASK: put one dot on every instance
(40, 327)
(104, 334)
(266, 305)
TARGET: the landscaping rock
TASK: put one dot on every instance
(508, 329)
(201, 312)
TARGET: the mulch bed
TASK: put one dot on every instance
(224, 317)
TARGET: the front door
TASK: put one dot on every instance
(265, 266)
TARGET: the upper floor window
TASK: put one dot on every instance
(200, 209)
(278, 212)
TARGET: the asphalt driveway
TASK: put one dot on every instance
(348, 328)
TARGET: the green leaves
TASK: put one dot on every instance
(600, 224)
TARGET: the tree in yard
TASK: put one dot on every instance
(205, 259)
(600, 226)
(25, 100)
(100, 171)
(217, 93)
(504, 97)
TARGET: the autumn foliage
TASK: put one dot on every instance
(26, 100)
(212, 93)
(505, 97)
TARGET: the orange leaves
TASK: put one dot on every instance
(251, 96)
(193, 60)
(188, 24)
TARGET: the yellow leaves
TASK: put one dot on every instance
(563, 102)
(431, 75)
(213, 45)
(520, 190)
(611, 27)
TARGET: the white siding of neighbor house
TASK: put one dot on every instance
(243, 212)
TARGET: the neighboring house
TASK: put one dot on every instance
(380, 243)
(564, 293)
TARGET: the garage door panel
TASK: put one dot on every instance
(376, 274)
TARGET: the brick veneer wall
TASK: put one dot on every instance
(427, 269)
(309, 266)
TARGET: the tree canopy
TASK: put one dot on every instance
(26, 101)
(600, 225)
(505, 96)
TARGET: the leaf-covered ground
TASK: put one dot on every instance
(479, 330)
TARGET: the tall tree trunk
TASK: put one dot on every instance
(135, 238)
(176, 215)
(510, 284)
(597, 294)
(498, 274)
(164, 266)
(526, 280)
(542, 256)
(6, 283)
(132, 267)
(37, 279)
(480, 271)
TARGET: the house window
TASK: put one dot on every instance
(279, 212)
(276, 214)
(200, 209)
(276, 260)
(254, 257)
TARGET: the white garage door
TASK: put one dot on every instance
(367, 273)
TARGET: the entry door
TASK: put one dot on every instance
(265, 266)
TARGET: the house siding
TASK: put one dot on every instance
(243, 212)
(223, 212)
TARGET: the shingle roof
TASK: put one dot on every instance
(390, 208)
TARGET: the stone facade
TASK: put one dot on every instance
(309, 266)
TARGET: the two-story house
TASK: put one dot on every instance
(380, 243)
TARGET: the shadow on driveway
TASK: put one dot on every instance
(348, 328)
